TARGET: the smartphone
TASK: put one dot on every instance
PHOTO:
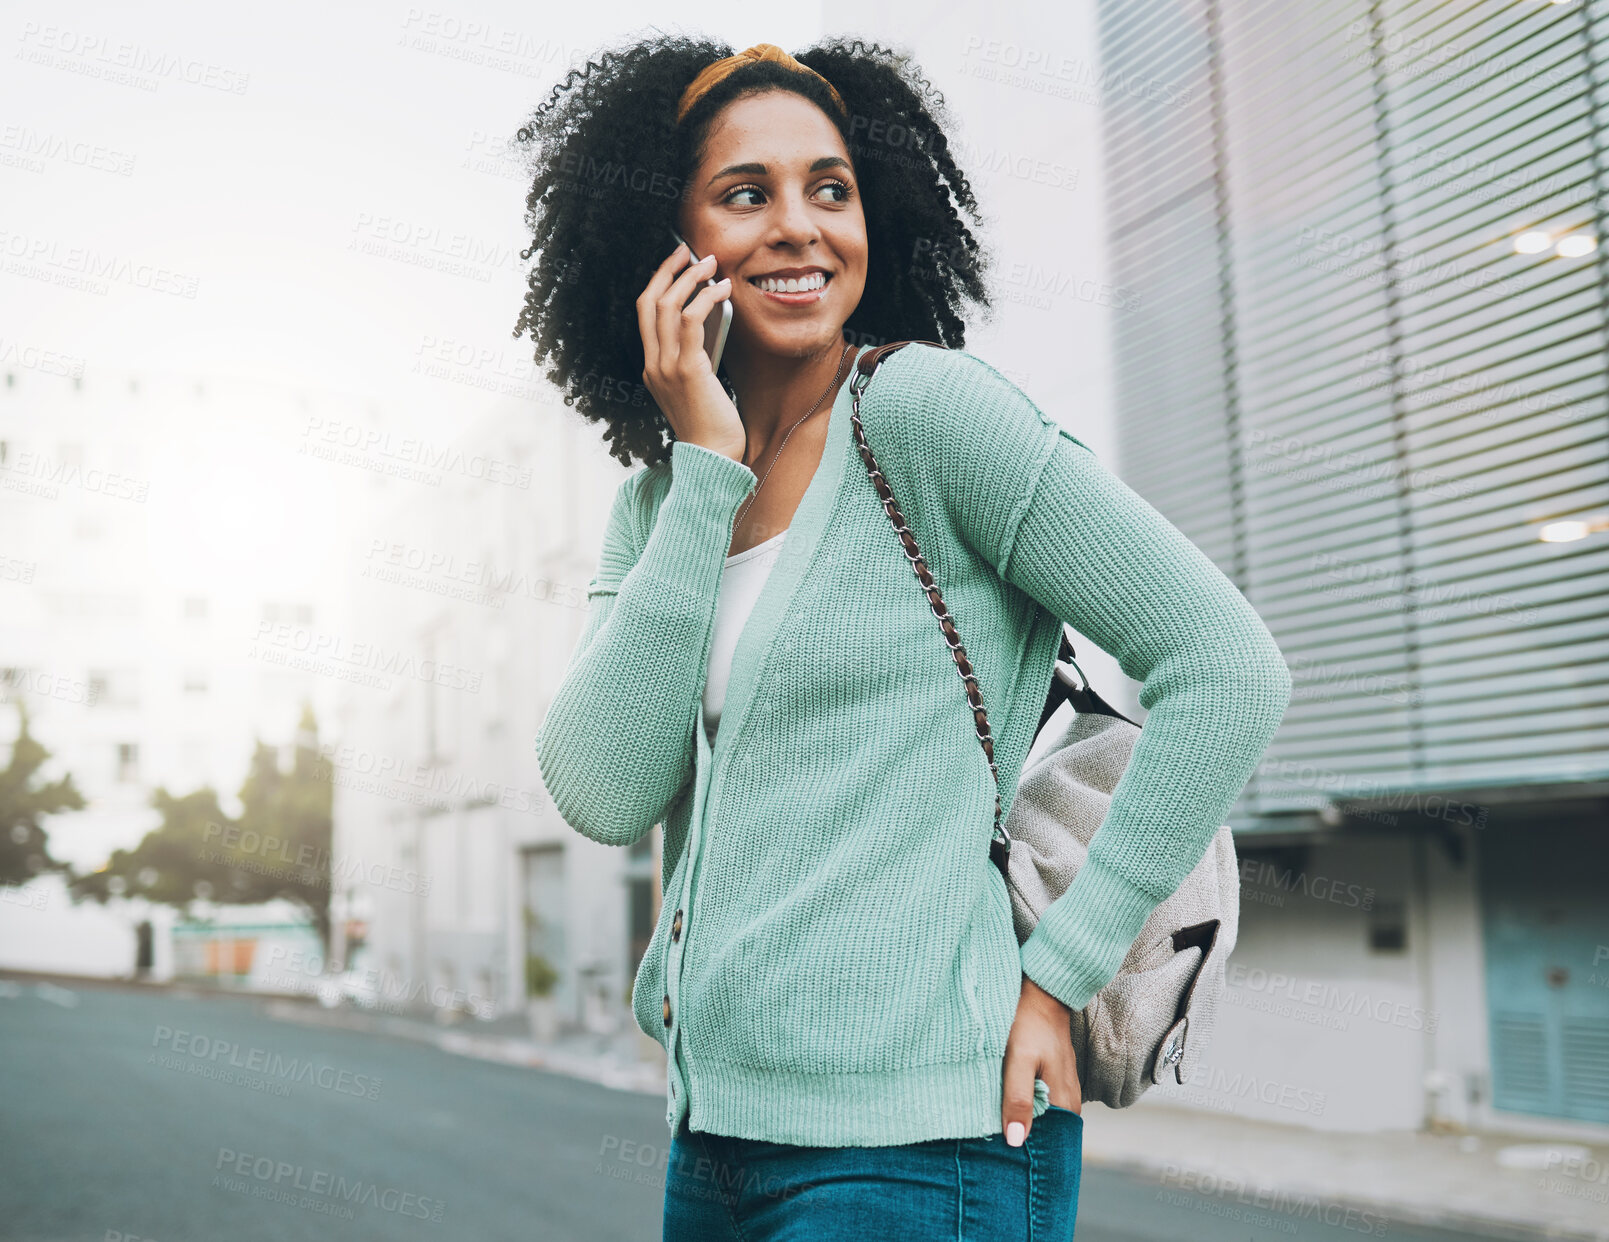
(718, 324)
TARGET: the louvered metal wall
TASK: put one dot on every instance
(1345, 384)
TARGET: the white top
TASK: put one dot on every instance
(741, 582)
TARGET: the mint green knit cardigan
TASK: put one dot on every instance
(834, 963)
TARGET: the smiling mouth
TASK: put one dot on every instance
(793, 290)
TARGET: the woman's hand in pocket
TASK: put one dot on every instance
(1039, 1046)
(676, 370)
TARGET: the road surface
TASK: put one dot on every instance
(144, 1114)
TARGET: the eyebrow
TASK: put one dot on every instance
(760, 170)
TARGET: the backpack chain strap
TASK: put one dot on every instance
(1000, 841)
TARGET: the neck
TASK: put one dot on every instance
(774, 390)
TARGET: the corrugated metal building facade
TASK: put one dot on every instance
(1370, 378)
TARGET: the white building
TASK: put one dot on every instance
(470, 594)
(131, 593)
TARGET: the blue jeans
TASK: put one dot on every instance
(720, 1189)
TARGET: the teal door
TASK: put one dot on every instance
(1545, 906)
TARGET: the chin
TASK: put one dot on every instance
(803, 339)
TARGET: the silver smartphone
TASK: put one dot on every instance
(719, 322)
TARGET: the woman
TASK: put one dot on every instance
(857, 1045)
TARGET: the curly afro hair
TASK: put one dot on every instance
(609, 165)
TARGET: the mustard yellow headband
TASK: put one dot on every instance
(712, 74)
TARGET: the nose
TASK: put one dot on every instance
(792, 224)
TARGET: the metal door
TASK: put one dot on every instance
(1545, 906)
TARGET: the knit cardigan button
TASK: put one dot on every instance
(676, 927)
(667, 1008)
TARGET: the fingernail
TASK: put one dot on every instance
(1014, 1133)
(724, 281)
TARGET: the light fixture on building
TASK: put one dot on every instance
(1571, 529)
(1570, 246)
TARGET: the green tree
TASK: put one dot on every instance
(293, 810)
(278, 848)
(177, 862)
(24, 850)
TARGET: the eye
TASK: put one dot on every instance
(838, 185)
(742, 189)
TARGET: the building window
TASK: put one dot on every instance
(1388, 928)
(195, 681)
(641, 912)
(128, 762)
(641, 909)
(288, 614)
(546, 914)
(195, 608)
(118, 687)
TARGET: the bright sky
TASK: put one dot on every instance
(309, 133)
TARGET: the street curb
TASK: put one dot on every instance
(643, 1078)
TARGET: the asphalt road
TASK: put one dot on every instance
(131, 1114)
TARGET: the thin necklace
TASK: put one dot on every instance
(837, 377)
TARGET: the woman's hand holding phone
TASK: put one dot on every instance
(676, 369)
